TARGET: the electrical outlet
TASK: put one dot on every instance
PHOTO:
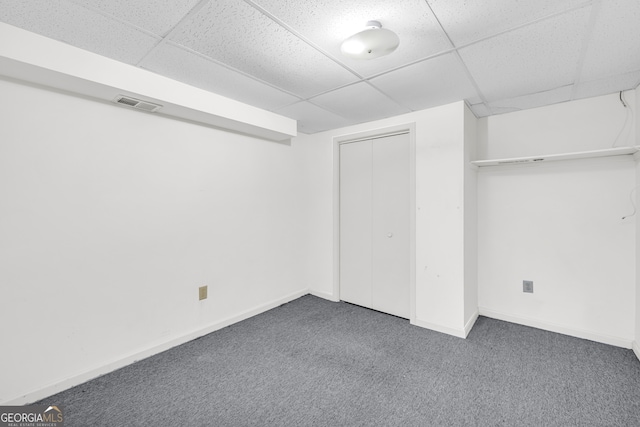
(202, 292)
(527, 286)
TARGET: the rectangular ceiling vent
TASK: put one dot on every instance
(137, 103)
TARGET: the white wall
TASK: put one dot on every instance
(636, 347)
(559, 224)
(587, 124)
(470, 220)
(110, 219)
(440, 255)
(316, 176)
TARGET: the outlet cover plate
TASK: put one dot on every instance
(202, 292)
(527, 286)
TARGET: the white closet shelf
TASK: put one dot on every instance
(608, 152)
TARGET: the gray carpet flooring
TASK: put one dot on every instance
(313, 362)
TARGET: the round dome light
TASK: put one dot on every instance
(371, 43)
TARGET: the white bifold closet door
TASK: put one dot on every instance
(374, 223)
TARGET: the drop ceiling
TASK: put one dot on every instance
(284, 55)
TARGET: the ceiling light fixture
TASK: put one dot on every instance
(371, 43)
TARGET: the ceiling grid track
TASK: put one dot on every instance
(596, 6)
(229, 67)
(301, 37)
(409, 64)
(387, 96)
(194, 10)
(459, 58)
(114, 18)
(526, 24)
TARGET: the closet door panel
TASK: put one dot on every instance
(355, 222)
(390, 225)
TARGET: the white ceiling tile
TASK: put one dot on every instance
(188, 67)
(327, 23)
(236, 34)
(466, 21)
(528, 60)
(75, 25)
(156, 16)
(311, 118)
(359, 102)
(480, 110)
(614, 47)
(534, 100)
(608, 85)
(436, 81)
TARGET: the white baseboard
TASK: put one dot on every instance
(469, 325)
(324, 295)
(636, 349)
(52, 389)
(547, 326)
(456, 332)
